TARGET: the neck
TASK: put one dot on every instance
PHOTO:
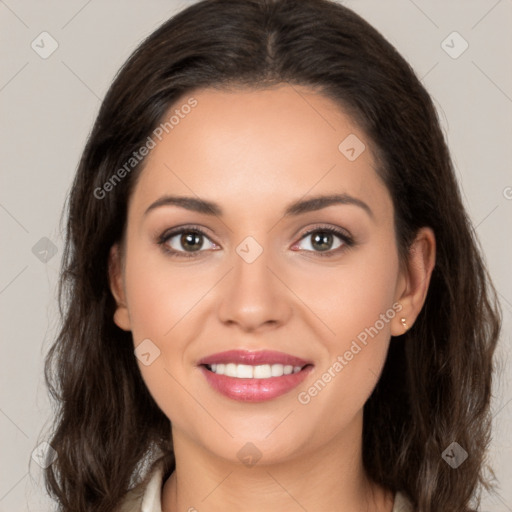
(329, 478)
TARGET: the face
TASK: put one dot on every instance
(269, 270)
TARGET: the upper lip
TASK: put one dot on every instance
(259, 357)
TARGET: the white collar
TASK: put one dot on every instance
(152, 498)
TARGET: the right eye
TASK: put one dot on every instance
(185, 242)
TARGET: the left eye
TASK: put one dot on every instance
(322, 240)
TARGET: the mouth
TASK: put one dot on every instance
(254, 376)
(246, 371)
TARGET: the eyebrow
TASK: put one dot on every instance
(293, 209)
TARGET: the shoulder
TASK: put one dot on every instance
(402, 503)
(132, 502)
(146, 495)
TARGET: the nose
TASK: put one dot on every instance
(253, 297)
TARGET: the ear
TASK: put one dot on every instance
(415, 280)
(116, 282)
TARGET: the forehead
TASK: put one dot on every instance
(242, 146)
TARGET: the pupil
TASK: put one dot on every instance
(191, 240)
(322, 241)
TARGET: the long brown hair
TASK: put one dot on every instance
(436, 384)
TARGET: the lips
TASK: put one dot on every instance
(254, 358)
(254, 376)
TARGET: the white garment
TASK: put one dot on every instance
(146, 497)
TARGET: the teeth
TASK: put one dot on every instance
(263, 371)
(230, 370)
(246, 371)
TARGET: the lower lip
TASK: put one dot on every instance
(254, 390)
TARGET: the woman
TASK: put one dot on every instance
(273, 297)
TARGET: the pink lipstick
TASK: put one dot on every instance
(254, 376)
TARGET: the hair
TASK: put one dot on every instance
(436, 383)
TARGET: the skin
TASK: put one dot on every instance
(253, 152)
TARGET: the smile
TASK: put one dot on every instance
(254, 376)
(246, 371)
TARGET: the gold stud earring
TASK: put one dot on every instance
(403, 323)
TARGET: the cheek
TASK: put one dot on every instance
(162, 300)
(155, 307)
(350, 297)
(160, 294)
(355, 302)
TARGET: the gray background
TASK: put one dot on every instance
(48, 107)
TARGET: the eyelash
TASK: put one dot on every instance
(348, 241)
